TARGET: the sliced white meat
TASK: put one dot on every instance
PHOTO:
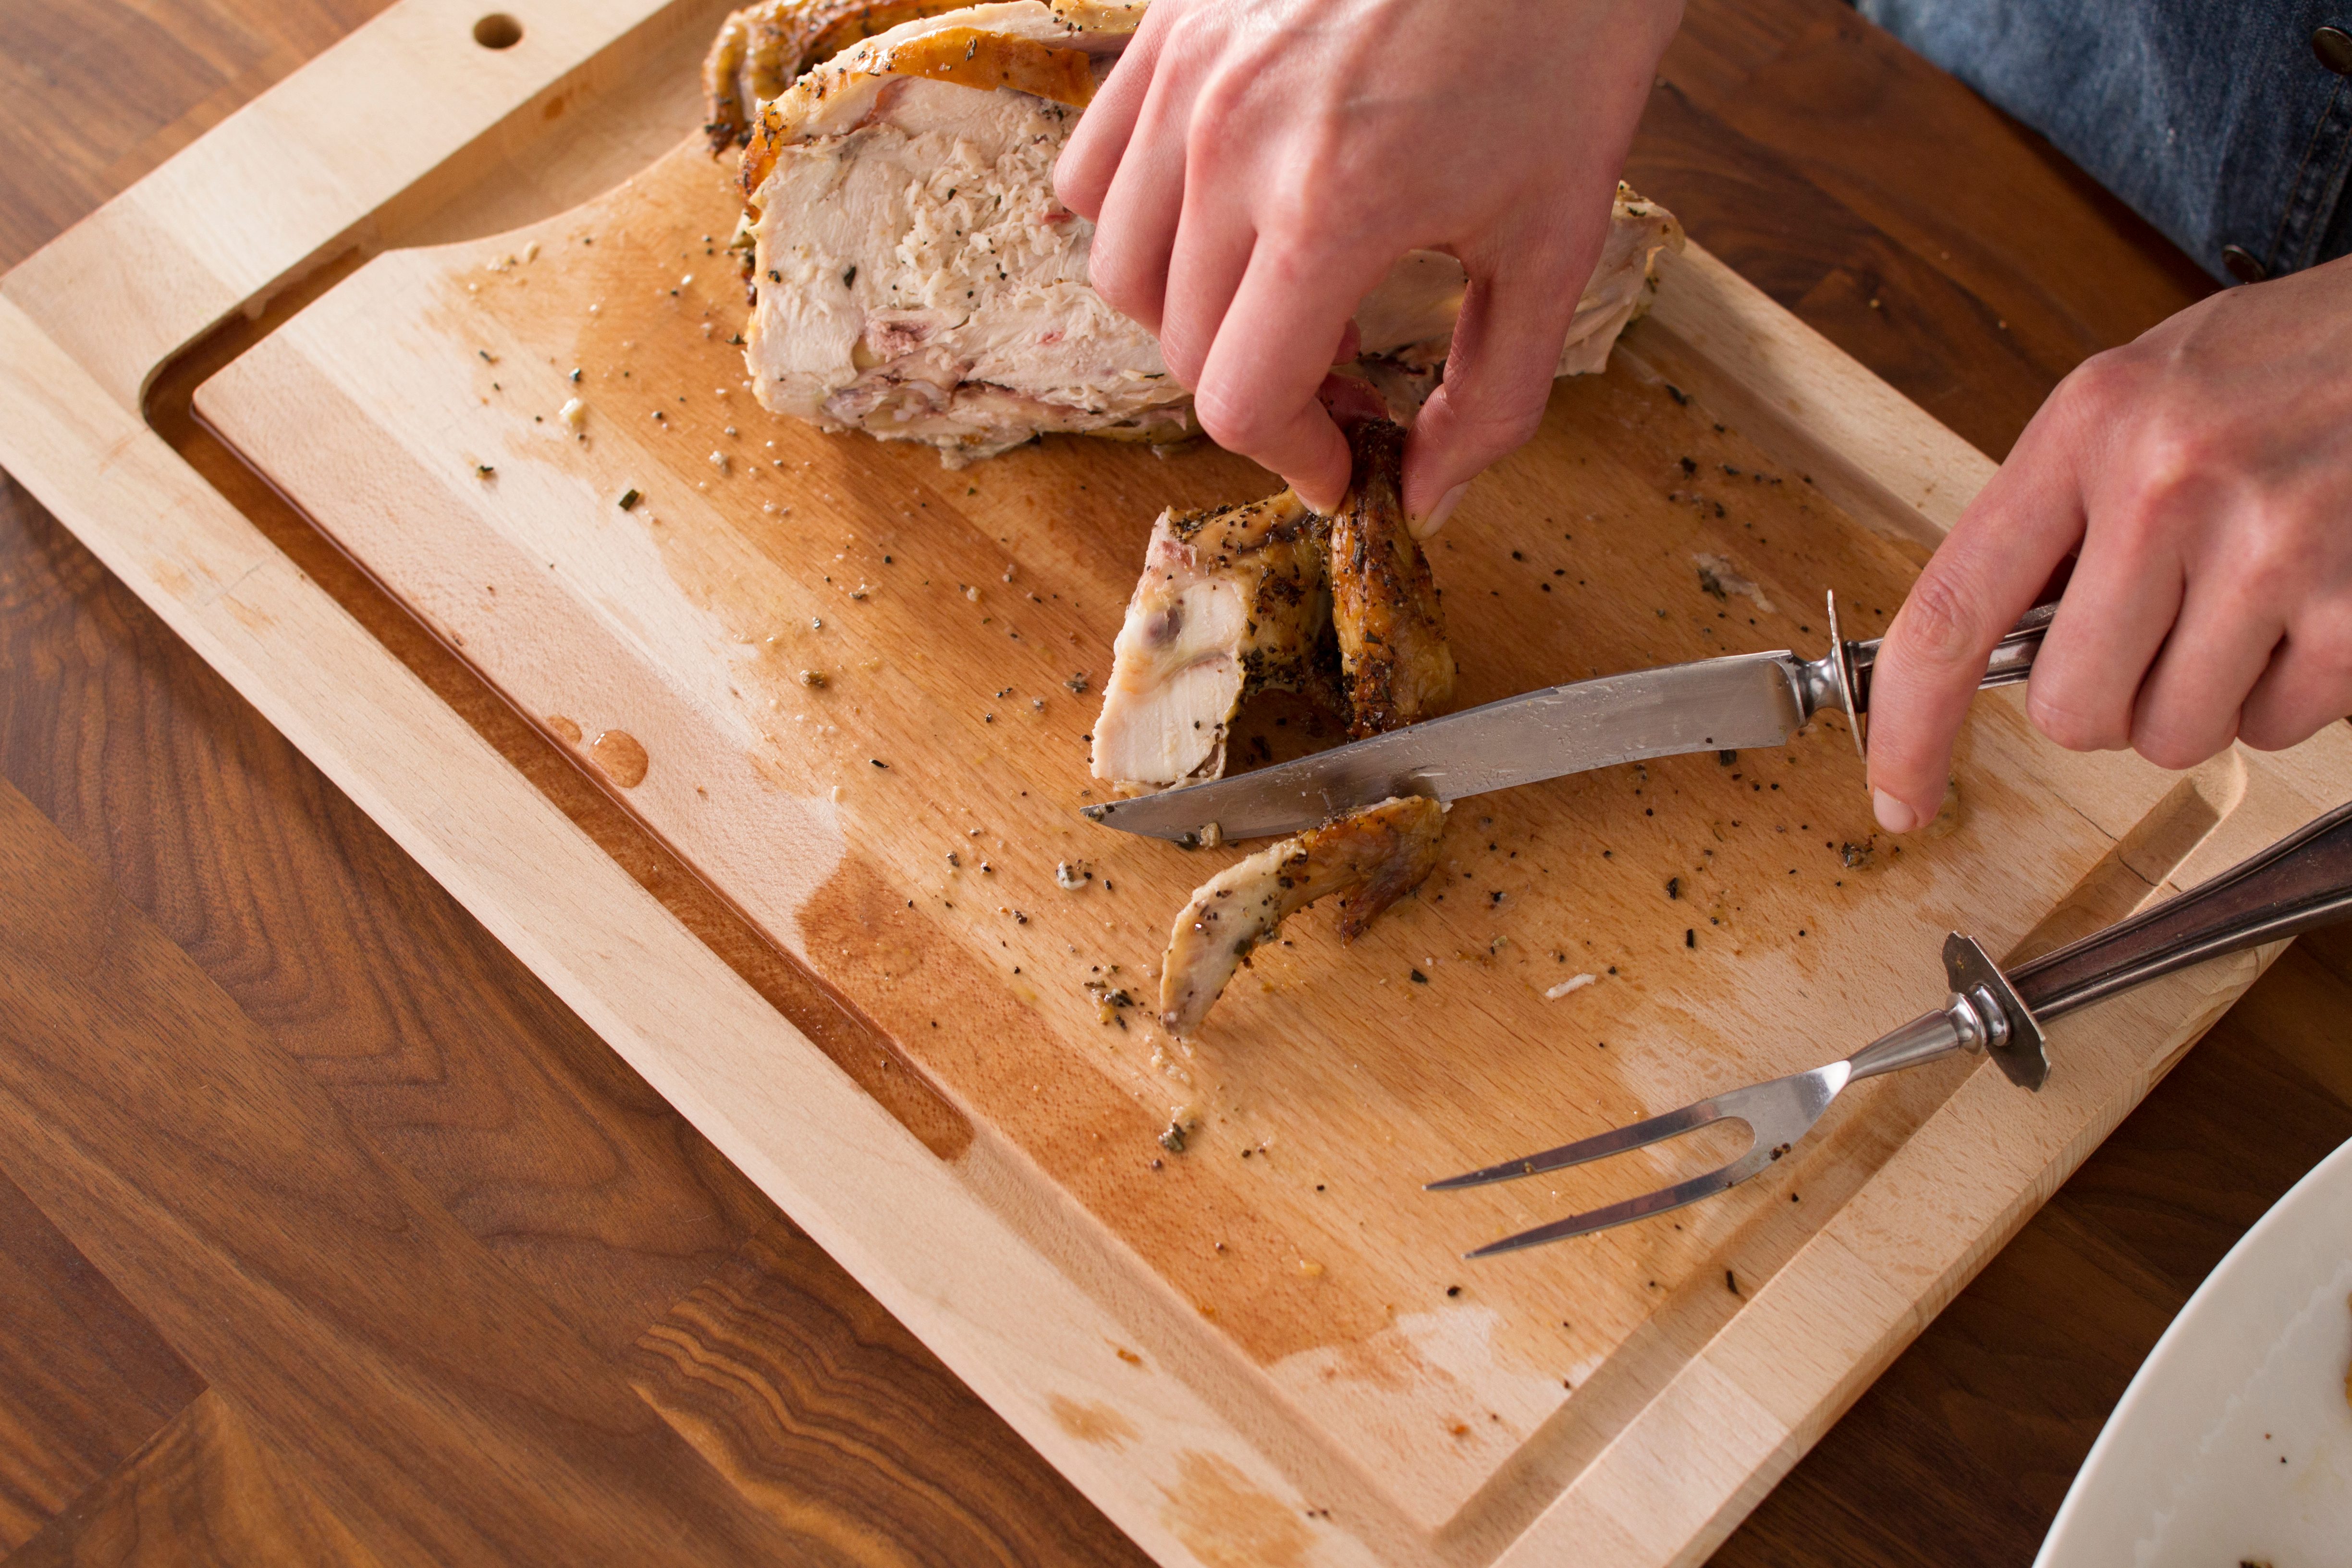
(1406, 323)
(916, 277)
(1371, 857)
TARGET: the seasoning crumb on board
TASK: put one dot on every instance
(1946, 820)
(1718, 578)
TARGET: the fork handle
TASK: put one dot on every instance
(2298, 884)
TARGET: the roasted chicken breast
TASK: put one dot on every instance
(1370, 857)
(915, 278)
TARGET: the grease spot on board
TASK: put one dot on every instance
(856, 911)
(1090, 1421)
(564, 729)
(1427, 1375)
(621, 756)
(1226, 1521)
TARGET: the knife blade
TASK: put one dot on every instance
(1733, 703)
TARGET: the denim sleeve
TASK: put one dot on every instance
(2225, 123)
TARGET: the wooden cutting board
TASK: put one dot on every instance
(853, 688)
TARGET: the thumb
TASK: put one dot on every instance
(1986, 573)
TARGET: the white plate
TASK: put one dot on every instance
(2234, 1442)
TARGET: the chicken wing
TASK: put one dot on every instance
(1396, 668)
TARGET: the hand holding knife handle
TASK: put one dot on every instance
(1840, 678)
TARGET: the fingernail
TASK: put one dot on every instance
(1425, 527)
(1893, 814)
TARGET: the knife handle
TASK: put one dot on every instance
(2011, 661)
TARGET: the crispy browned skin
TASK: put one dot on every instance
(965, 56)
(1396, 666)
(971, 57)
(760, 49)
(1372, 857)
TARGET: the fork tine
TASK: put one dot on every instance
(1657, 1129)
(1648, 1204)
(1776, 1113)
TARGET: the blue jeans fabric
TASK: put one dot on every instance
(2213, 119)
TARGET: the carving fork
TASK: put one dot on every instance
(2302, 882)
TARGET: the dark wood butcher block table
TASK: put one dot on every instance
(309, 1062)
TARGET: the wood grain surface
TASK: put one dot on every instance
(400, 1063)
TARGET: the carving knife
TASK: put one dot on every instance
(1734, 703)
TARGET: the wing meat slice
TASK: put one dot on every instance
(1370, 857)
(1232, 602)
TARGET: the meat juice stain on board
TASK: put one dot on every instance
(621, 756)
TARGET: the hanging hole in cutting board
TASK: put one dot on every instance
(498, 31)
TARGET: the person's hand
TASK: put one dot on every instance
(2204, 473)
(1253, 168)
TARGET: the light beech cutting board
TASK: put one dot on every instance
(853, 688)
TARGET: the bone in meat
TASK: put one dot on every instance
(1371, 857)
(1396, 665)
(1232, 602)
(1243, 599)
